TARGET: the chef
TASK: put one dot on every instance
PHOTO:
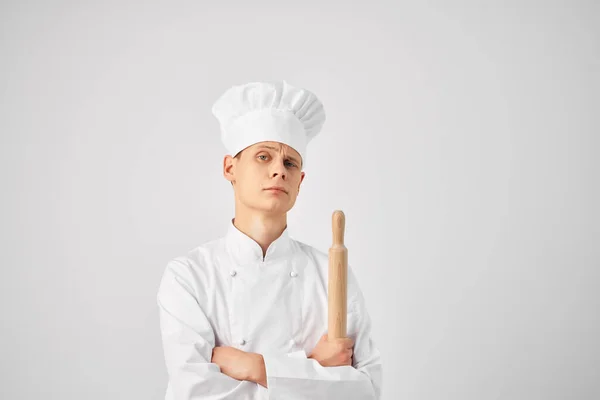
(244, 316)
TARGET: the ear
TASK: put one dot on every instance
(229, 168)
(302, 174)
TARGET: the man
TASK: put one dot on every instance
(245, 316)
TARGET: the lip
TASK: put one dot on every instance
(277, 188)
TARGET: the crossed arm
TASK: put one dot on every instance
(240, 365)
(198, 369)
(246, 366)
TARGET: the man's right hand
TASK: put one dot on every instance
(334, 353)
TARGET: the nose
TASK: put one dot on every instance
(279, 170)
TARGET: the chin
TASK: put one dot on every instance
(276, 207)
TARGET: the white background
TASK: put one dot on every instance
(461, 142)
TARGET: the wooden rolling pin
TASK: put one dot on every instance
(338, 279)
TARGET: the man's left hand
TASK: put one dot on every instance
(239, 364)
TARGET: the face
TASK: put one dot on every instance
(261, 167)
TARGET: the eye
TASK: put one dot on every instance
(291, 163)
(262, 155)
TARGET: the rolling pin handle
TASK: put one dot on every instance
(339, 224)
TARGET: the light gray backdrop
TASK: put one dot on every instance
(461, 142)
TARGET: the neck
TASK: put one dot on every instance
(262, 228)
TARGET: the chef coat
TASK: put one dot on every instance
(225, 293)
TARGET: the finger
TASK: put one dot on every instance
(342, 340)
(343, 358)
(348, 359)
(341, 346)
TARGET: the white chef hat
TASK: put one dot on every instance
(268, 111)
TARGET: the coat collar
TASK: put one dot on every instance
(246, 250)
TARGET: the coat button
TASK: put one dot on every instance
(233, 273)
(293, 274)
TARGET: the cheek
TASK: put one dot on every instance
(297, 181)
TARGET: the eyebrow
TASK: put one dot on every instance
(276, 149)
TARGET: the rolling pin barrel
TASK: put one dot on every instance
(338, 279)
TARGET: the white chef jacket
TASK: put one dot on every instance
(223, 293)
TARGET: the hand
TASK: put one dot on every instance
(240, 365)
(334, 353)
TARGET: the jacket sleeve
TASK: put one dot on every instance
(297, 377)
(188, 341)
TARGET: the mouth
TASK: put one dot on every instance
(277, 189)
